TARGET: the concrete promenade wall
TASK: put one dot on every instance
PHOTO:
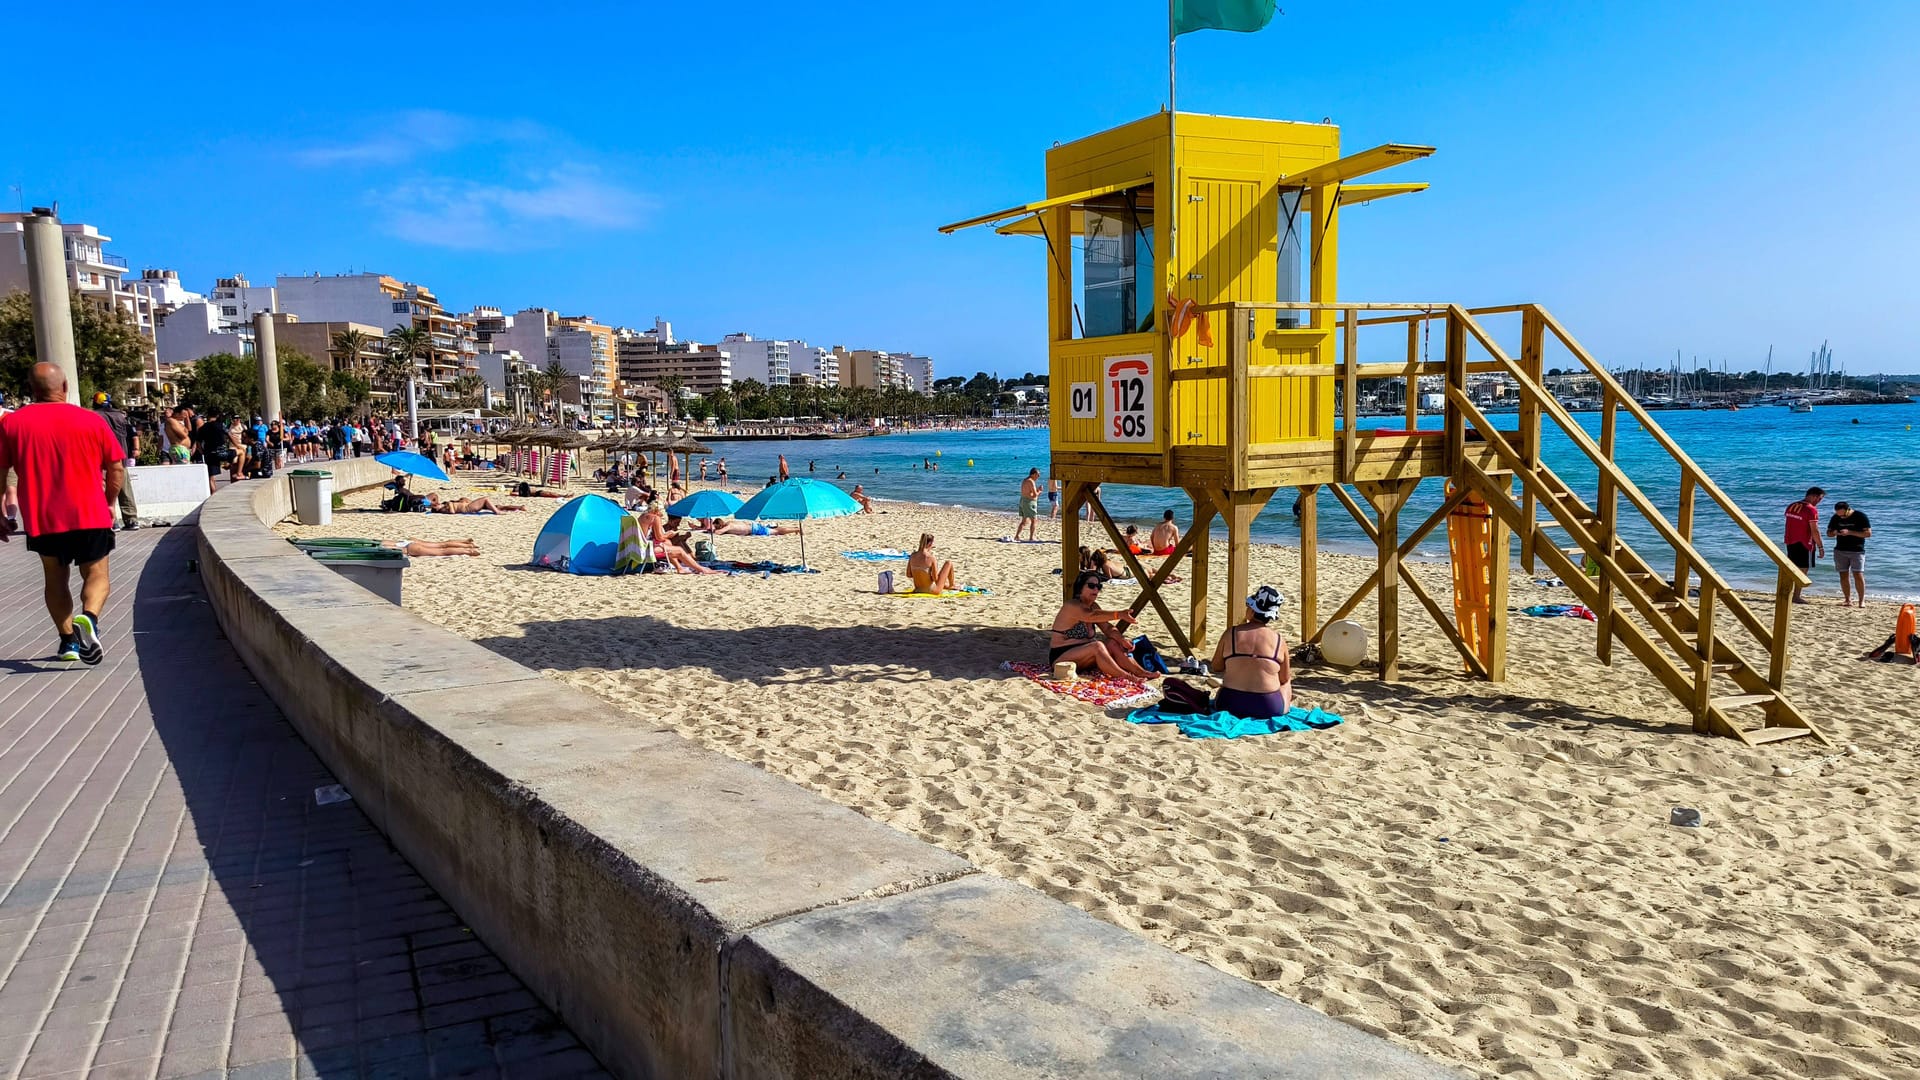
(692, 916)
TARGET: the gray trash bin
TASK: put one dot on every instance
(378, 570)
(312, 496)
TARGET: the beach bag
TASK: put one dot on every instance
(1147, 655)
(886, 581)
(703, 551)
(1177, 695)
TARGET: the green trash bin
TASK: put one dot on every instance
(333, 543)
(378, 570)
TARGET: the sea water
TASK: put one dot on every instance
(1763, 458)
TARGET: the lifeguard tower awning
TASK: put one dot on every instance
(1030, 210)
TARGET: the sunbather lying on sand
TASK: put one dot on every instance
(478, 505)
(425, 548)
(528, 491)
(736, 527)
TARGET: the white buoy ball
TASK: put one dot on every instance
(1344, 643)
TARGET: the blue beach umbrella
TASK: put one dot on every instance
(798, 500)
(707, 503)
(407, 461)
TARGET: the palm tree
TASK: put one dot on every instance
(405, 344)
(469, 390)
(348, 345)
(671, 386)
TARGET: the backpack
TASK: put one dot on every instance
(1147, 655)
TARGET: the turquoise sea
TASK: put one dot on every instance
(1763, 458)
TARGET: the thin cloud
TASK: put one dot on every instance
(410, 135)
(473, 216)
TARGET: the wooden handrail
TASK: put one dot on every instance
(1551, 406)
(1687, 466)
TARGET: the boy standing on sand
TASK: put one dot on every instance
(1029, 506)
(1850, 530)
(1804, 545)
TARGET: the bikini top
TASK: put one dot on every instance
(1235, 639)
(1080, 631)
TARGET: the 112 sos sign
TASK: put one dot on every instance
(1127, 400)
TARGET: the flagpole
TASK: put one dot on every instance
(1172, 211)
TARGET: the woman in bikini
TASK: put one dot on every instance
(929, 574)
(480, 505)
(433, 547)
(1256, 674)
(1080, 637)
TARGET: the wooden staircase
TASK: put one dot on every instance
(1671, 617)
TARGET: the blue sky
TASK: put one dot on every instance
(1709, 178)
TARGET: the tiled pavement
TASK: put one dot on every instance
(173, 902)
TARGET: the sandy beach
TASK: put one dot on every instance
(1483, 873)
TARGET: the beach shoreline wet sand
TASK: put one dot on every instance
(1484, 873)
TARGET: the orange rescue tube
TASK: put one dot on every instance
(1903, 631)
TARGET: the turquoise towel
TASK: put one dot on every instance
(1221, 725)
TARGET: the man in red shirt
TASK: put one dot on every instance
(1804, 545)
(60, 453)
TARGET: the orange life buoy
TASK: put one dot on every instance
(1181, 315)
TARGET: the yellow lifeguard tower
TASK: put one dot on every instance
(1196, 340)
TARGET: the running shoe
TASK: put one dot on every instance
(67, 650)
(86, 633)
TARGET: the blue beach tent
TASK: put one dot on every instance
(582, 537)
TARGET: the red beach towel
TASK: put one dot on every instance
(1105, 691)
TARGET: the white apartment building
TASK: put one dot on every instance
(916, 372)
(813, 364)
(96, 276)
(238, 300)
(497, 368)
(196, 330)
(379, 300)
(769, 361)
(524, 332)
(647, 356)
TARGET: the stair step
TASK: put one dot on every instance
(1775, 734)
(1727, 669)
(1735, 701)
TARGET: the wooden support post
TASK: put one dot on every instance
(1387, 497)
(1349, 395)
(1070, 499)
(1533, 331)
(1682, 570)
(1782, 614)
(1607, 508)
(1309, 562)
(1500, 566)
(1201, 531)
(1242, 507)
(1456, 424)
(1414, 328)
(1703, 667)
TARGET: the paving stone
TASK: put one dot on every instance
(171, 881)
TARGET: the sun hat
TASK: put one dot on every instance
(1265, 601)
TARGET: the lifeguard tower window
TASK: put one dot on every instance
(1116, 263)
(1295, 236)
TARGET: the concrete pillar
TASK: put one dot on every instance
(267, 355)
(413, 413)
(47, 284)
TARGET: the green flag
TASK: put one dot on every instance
(1245, 16)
